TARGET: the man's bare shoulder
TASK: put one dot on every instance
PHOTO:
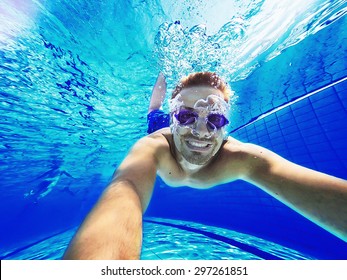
(162, 147)
(157, 142)
(242, 157)
(250, 158)
(247, 149)
(235, 147)
(157, 138)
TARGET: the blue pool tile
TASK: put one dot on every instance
(308, 117)
(313, 131)
(319, 147)
(334, 135)
(271, 122)
(323, 156)
(263, 138)
(322, 98)
(341, 87)
(340, 150)
(291, 130)
(292, 136)
(280, 147)
(261, 132)
(331, 118)
(302, 104)
(305, 160)
(276, 134)
(149, 255)
(294, 144)
(303, 113)
(343, 99)
(330, 109)
(299, 149)
(329, 169)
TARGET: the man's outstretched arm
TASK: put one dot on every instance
(317, 196)
(113, 229)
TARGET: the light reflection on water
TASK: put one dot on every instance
(169, 242)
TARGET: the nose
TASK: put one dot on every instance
(201, 130)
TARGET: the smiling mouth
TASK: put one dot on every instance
(198, 145)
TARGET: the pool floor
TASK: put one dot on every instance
(166, 239)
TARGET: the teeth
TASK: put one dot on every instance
(197, 144)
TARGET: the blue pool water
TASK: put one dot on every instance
(75, 83)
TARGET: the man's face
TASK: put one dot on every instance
(197, 142)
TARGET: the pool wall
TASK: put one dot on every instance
(310, 132)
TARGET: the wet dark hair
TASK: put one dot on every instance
(209, 79)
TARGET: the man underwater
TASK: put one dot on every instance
(195, 151)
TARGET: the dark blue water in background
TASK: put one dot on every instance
(74, 92)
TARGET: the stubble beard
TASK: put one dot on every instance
(195, 157)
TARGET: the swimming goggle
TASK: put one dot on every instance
(214, 121)
(213, 109)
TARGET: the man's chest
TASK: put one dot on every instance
(173, 175)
